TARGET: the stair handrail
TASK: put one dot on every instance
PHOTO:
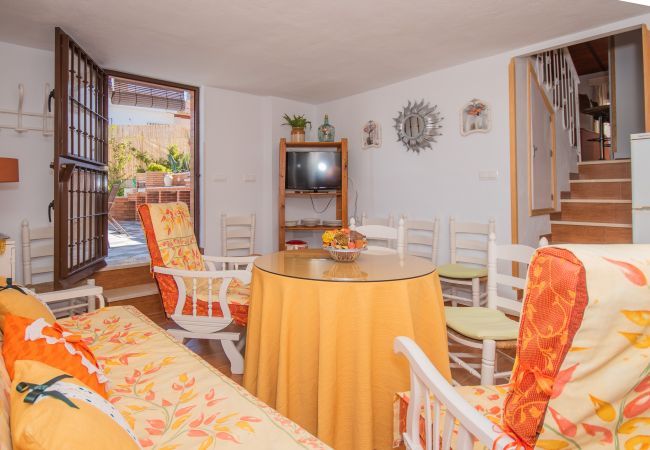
(557, 73)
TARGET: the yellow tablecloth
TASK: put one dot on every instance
(321, 352)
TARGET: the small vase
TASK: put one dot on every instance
(297, 135)
(326, 131)
(168, 180)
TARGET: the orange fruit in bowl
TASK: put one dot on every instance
(351, 244)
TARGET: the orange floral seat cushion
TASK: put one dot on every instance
(488, 400)
(171, 242)
(52, 345)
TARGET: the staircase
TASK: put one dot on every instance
(598, 208)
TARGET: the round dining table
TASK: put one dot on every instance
(320, 334)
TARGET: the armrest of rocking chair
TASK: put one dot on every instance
(90, 291)
(180, 275)
(428, 380)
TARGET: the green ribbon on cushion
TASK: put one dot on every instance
(36, 390)
(10, 285)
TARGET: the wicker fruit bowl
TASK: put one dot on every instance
(344, 254)
(344, 245)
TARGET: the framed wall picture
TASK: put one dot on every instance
(371, 135)
(475, 117)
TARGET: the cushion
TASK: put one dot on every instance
(51, 423)
(481, 323)
(5, 389)
(171, 242)
(461, 271)
(53, 345)
(488, 400)
(14, 302)
(555, 302)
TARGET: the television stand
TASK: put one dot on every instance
(341, 193)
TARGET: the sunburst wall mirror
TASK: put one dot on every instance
(418, 125)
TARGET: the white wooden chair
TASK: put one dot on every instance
(384, 232)
(489, 329)
(421, 238)
(75, 300)
(198, 292)
(467, 270)
(388, 221)
(238, 235)
(37, 251)
(431, 391)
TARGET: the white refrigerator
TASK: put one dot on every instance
(641, 188)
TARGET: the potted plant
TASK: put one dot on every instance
(298, 125)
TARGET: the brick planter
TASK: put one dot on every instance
(155, 179)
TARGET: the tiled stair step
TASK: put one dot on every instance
(590, 232)
(601, 211)
(612, 188)
(604, 169)
(128, 292)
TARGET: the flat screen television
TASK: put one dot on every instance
(313, 171)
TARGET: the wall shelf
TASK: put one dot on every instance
(341, 194)
(312, 194)
(304, 228)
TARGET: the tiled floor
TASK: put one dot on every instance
(129, 249)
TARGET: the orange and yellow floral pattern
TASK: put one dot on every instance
(556, 298)
(5, 405)
(173, 399)
(601, 399)
(488, 400)
(171, 242)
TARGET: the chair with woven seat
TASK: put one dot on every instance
(581, 376)
(202, 294)
(467, 271)
(489, 329)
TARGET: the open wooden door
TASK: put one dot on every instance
(80, 163)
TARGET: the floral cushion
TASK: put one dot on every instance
(5, 406)
(487, 400)
(556, 297)
(173, 399)
(171, 242)
(601, 397)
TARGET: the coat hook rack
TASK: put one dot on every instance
(22, 123)
(46, 93)
(21, 99)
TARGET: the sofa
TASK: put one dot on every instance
(170, 397)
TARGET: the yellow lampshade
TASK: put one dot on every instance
(9, 170)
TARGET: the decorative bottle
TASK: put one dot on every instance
(326, 131)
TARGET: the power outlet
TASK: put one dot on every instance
(488, 175)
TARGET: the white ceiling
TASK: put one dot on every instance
(312, 51)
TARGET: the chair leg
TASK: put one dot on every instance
(235, 358)
(488, 358)
(476, 292)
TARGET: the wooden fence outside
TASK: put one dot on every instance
(152, 139)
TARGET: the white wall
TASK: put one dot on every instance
(629, 84)
(29, 198)
(443, 181)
